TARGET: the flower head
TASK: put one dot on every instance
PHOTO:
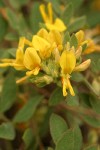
(68, 64)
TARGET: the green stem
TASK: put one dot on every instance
(91, 88)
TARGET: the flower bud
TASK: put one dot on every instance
(83, 66)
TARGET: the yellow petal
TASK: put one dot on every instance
(6, 60)
(57, 25)
(21, 43)
(67, 86)
(33, 72)
(31, 59)
(67, 62)
(21, 80)
(80, 37)
(2, 65)
(55, 36)
(43, 13)
(43, 33)
(83, 66)
(78, 52)
(70, 88)
(19, 59)
(50, 12)
(91, 47)
(41, 45)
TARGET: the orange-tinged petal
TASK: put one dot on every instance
(80, 36)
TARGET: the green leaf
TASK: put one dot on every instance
(23, 28)
(23, 2)
(7, 131)
(95, 62)
(17, 24)
(66, 142)
(57, 127)
(84, 46)
(94, 122)
(11, 37)
(67, 14)
(66, 38)
(8, 95)
(76, 3)
(18, 3)
(71, 140)
(72, 100)
(77, 77)
(2, 3)
(28, 109)
(56, 97)
(35, 18)
(93, 18)
(77, 138)
(12, 52)
(28, 138)
(93, 147)
(77, 24)
(73, 41)
(11, 16)
(3, 27)
(50, 148)
(14, 4)
(95, 104)
(44, 126)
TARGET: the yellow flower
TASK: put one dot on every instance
(48, 19)
(18, 62)
(81, 38)
(68, 65)
(53, 37)
(91, 46)
(42, 46)
(67, 62)
(28, 60)
(32, 61)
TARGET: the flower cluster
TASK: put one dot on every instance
(50, 57)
